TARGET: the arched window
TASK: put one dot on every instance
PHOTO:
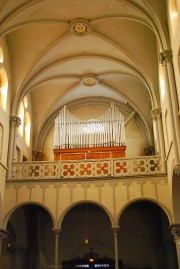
(25, 126)
(162, 84)
(3, 82)
(1, 56)
(3, 88)
(21, 116)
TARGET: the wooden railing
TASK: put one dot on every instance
(60, 170)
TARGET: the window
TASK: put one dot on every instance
(162, 84)
(1, 56)
(3, 82)
(25, 126)
(3, 88)
(21, 116)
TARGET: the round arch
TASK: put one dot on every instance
(150, 200)
(144, 237)
(83, 202)
(85, 227)
(12, 211)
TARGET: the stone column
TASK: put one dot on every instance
(3, 236)
(14, 124)
(56, 253)
(173, 92)
(157, 117)
(154, 116)
(115, 230)
(175, 230)
(166, 61)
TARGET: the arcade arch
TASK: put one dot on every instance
(30, 229)
(145, 235)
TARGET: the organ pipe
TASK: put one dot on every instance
(107, 130)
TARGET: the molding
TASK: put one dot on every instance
(5, 167)
(15, 121)
(80, 27)
(156, 113)
(169, 150)
(165, 57)
(175, 230)
(56, 182)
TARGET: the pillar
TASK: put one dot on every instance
(166, 61)
(115, 230)
(175, 230)
(3, 236)
(56, 252)
(157, 117)
(173, 92)
(14, 124)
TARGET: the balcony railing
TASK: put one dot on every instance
(148, 165)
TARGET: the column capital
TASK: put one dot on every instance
(3, 235)
(176, 170)
(115, 229)
(15, 121)
(37, 155)
(56, 230)
(165, 57)
(156, 113)
(175, 231)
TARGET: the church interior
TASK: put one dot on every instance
(90, 134)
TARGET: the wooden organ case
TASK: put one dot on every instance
(89, 153)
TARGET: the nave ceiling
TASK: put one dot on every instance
(57, 45)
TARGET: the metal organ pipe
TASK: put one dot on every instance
(107, 130)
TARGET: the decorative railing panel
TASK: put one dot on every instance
(87, 168)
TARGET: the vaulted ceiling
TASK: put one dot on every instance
(63, 51)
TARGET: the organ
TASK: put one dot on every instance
(103, 137)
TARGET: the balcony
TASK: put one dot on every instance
(88, 168)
